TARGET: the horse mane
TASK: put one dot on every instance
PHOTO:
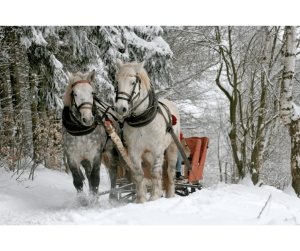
(128, 69)
(76, 77)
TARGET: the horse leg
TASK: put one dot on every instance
(138, 176)
(95, 175)
(77, 180)
(87, 167)
(172, 152)
(156, 174)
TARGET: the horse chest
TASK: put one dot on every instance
(146, 137)
(82, 146)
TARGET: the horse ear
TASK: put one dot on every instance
(119, 63)
(91, 76)
(70, 75)
(139, 66)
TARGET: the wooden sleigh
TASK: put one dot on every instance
(195, 149)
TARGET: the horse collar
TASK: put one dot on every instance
(148, 115)
(73, 127)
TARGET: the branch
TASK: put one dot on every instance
(264, 206)
(219, 85)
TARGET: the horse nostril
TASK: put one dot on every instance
(124, 109)
(84, 120)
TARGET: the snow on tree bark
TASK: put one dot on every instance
(261, 129)
(287, 110)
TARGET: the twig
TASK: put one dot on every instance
(31, 187)
(20, 174)
(14, 174)
(264, 206)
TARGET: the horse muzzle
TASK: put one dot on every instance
(87, 121)
(121, 110)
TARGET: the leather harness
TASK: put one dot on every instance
(71, 115)
(150, 113)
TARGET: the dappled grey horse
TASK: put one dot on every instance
(84, 136)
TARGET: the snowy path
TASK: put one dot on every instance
(50, 200)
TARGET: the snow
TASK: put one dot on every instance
(55, 62)
(51, 200)
(157, 45)
(290, 190)
(296, 114)
(37, 37)
(239, 155)
(25, 41)
(247, 181)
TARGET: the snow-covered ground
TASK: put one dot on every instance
(51, 200)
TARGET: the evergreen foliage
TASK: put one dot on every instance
(34, 61)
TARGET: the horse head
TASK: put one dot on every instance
(131, 79)
(79, 97)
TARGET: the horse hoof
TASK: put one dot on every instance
(170, 195)
(153, 198)
(141, 200)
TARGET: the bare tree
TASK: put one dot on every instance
(289, 111)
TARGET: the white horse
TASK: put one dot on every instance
(151, 140)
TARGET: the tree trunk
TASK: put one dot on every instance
(261, 129)
(14, 76)
(220, 164)
(16, 98)
(5, 104)
(289, 112)
(33, 107)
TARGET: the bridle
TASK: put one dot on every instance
(82, 105)
(130, 98)
(71, 115)
(75, 109)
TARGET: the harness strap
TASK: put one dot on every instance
(106, 109)
(81, 81)
(171, 131)
(133, 109)
(84, 103)
(130, 98)
(146, 117)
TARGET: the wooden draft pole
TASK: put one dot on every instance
(121, 149)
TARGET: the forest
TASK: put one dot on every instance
(237, 85)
